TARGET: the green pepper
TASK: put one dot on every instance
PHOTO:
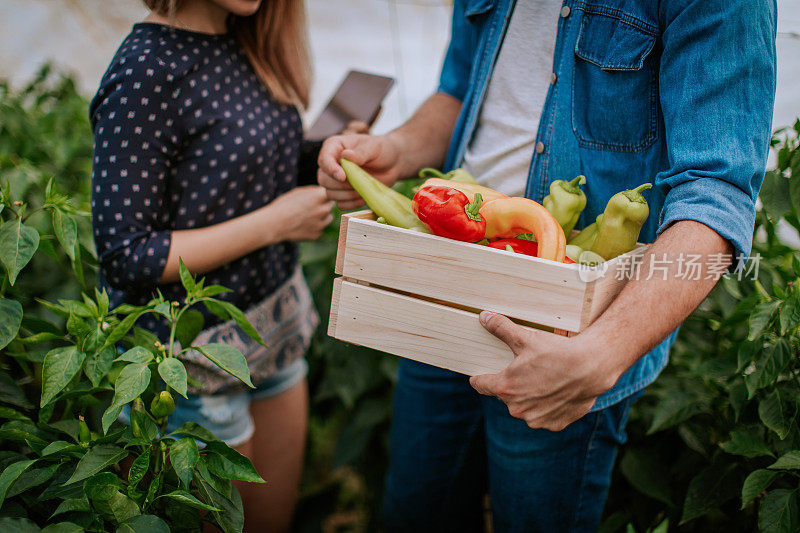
(384, 201)
(623, 218)
(459, 175)
(162, 405)
(585, 239)
(137, 407)
(84, 435)
(566, 201)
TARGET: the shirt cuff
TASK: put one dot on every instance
(719, 205)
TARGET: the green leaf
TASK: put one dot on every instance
(101, 487)
(33, 477)
(66, 231)
(122, 329)
(213, 290)
(241, 320)
(778, 512)
(186, 277)
(708, 490)
(757, 482)
(145, 523)
(195, 430)
(10, 393)
(60, 446)
(189, 326)
(746, 443)
(118, 508)
(674, 409)
(227, 463)
(794, 182)
(97, 364)
(790, 311)
(110, 415)
(774, 414)
(184, 497)
(184, 455)
(72, 504)
(60, 366)
(95, 460)
(173, 373)
(163, 309)
(231, 516)
(63, 527)
(223, 486)
(18, 243)
(139, 468)
(22, 431)
(137, 354)
(775, 194)
(148, 427)
(131, 383)
(18, 525)
(787, 461)
(78, 328)
(228, 359)
(10, 320)
(760, 317)
(646, 474)
(10, 475)
(769, 366)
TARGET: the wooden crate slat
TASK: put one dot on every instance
(527, 288)
(413, 328)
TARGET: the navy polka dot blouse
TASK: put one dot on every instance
(185, 137)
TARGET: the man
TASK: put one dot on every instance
(678, 93)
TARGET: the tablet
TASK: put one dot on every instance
(358, 97)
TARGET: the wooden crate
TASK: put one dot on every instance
(417, 295)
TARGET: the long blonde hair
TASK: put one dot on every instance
(274, 39)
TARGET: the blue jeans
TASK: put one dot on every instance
(450, 446)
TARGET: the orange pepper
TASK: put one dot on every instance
(508, 217)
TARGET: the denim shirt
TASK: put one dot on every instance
(678, 93)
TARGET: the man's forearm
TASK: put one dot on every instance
(660, 296)
(423, 140)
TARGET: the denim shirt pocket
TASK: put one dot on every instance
(614, 85)
(474, 10)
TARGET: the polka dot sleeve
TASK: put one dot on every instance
(136, 139)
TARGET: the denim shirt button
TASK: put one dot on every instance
(539, 147)
(553, 78)
(565, 11)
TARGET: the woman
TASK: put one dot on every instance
(197, 142)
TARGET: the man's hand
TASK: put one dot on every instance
(378, 155)
(552, 381)
(420, 142)
(555, 380)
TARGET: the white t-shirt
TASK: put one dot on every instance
(501, 149)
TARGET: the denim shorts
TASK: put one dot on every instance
(227, 415)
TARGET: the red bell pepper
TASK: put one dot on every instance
(449, 213)
(520, 246)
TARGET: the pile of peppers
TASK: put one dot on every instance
(453, 205)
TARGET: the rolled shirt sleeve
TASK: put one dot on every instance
(717, 114)
(460, 55)
(136, 138)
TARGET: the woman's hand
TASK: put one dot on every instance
(354, 127)
(304, 212)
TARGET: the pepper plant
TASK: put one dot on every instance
(715, 443)
(70, 367)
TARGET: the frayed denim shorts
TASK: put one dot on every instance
(227, 415)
